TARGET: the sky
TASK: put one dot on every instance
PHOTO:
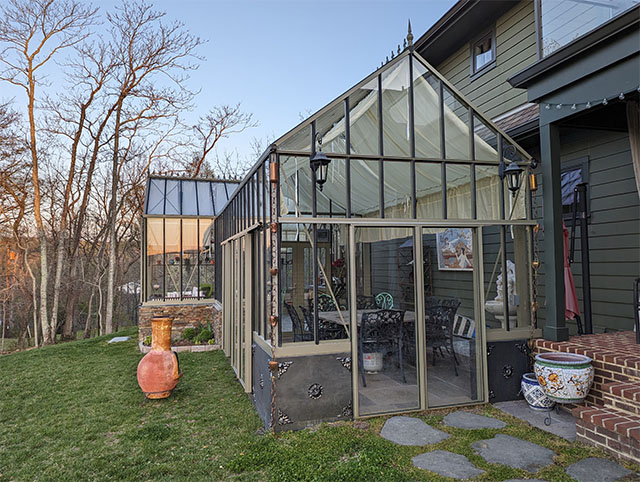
(284, 60)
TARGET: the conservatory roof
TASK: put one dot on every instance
(174, 196)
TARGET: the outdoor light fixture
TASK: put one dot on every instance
(512, 173)
(320, 164)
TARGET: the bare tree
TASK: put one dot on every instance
(32, 32)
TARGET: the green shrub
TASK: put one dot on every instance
(204, 336)
(147, 340)
(212, 341)
(207, 290)
(189, 334)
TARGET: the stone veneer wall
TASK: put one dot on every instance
(184, 316)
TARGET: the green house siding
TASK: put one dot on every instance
(515, 50)
(614, 229)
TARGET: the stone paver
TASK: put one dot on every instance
(594, 469)
(118, 339)
(525, 480)
(514, 452)
(447, 464)
(471, 421)
(411, 431)
(562, 424)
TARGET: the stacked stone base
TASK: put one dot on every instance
(184, 316)
(610, 416)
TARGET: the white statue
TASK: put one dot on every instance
(511, 282)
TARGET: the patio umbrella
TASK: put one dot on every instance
(571, 308)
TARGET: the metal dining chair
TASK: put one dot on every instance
(299, 331)
(327, 330)
(381, 329)
(439, 317)
(384, 301)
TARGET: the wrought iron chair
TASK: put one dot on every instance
(299, 331)
(439, 317)
(381, 329)
(366, 302)
(384, 301)
(327, 330)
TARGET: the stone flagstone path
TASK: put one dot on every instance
(501, 449)
(447, 464)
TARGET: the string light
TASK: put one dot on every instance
(588, 104)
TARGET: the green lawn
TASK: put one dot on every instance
(74, 411)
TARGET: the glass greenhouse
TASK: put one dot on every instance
(372, 252)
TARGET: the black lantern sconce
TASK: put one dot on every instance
(512, 172)
(320, 163)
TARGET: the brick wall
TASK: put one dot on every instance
(184, 316)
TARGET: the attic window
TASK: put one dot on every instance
(483, 52)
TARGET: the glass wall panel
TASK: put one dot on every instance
(155, 202)
(206, 260)
(518, 314)
(459, 191)
(365, 188)
(429, 190)
(395, 108)
(297, 282)
(397, 190)
(332, 129)
(190, 286)
(456, 127)
(296, 186)
(385, 304)
(332, 200)
(485, 141)
(454, 366)
(426, 101)
(364, 120)
(566, 20)
(172, 257)
(155, 265)
(488, 193)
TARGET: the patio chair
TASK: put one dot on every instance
(325, 303)
(327, 330)
(365, 302)
(299, 331)
(439, 317)
(381, 330)
(384, 301)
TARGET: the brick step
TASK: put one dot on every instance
(610, 419)
(613, 430)
(624, 396)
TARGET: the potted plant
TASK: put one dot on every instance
(534, 394)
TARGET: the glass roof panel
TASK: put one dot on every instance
(426, 101)
(395, 110)
(189, 202)
(456, 126)
(485, 141)
(363, 119)
(331, 127)
(299, 141)
(172, 197)
(205, 203)
(155, 193)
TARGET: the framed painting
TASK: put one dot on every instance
(455, 249)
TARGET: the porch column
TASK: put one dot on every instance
(554, 328)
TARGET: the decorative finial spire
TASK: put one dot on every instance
(404, 43)
(410, 35)
(392, 55)
(399, 53)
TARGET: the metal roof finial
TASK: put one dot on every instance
(392, 54)
(410, 35)
(404, 43)
(398, 49)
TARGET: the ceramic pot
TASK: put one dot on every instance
(159, 371)
(564, 377)
(534, 394)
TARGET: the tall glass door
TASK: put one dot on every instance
(451, 316)
(385, 314)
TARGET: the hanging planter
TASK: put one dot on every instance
(534, 393)
(564, 377)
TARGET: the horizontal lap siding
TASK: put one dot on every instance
(515, 50)
(614, 231)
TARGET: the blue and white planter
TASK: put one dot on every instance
(534, 393)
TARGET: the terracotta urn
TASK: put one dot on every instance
(564, 377)
(159, 371)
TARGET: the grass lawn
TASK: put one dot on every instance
(74, 411)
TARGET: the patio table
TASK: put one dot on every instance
(334, 316)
